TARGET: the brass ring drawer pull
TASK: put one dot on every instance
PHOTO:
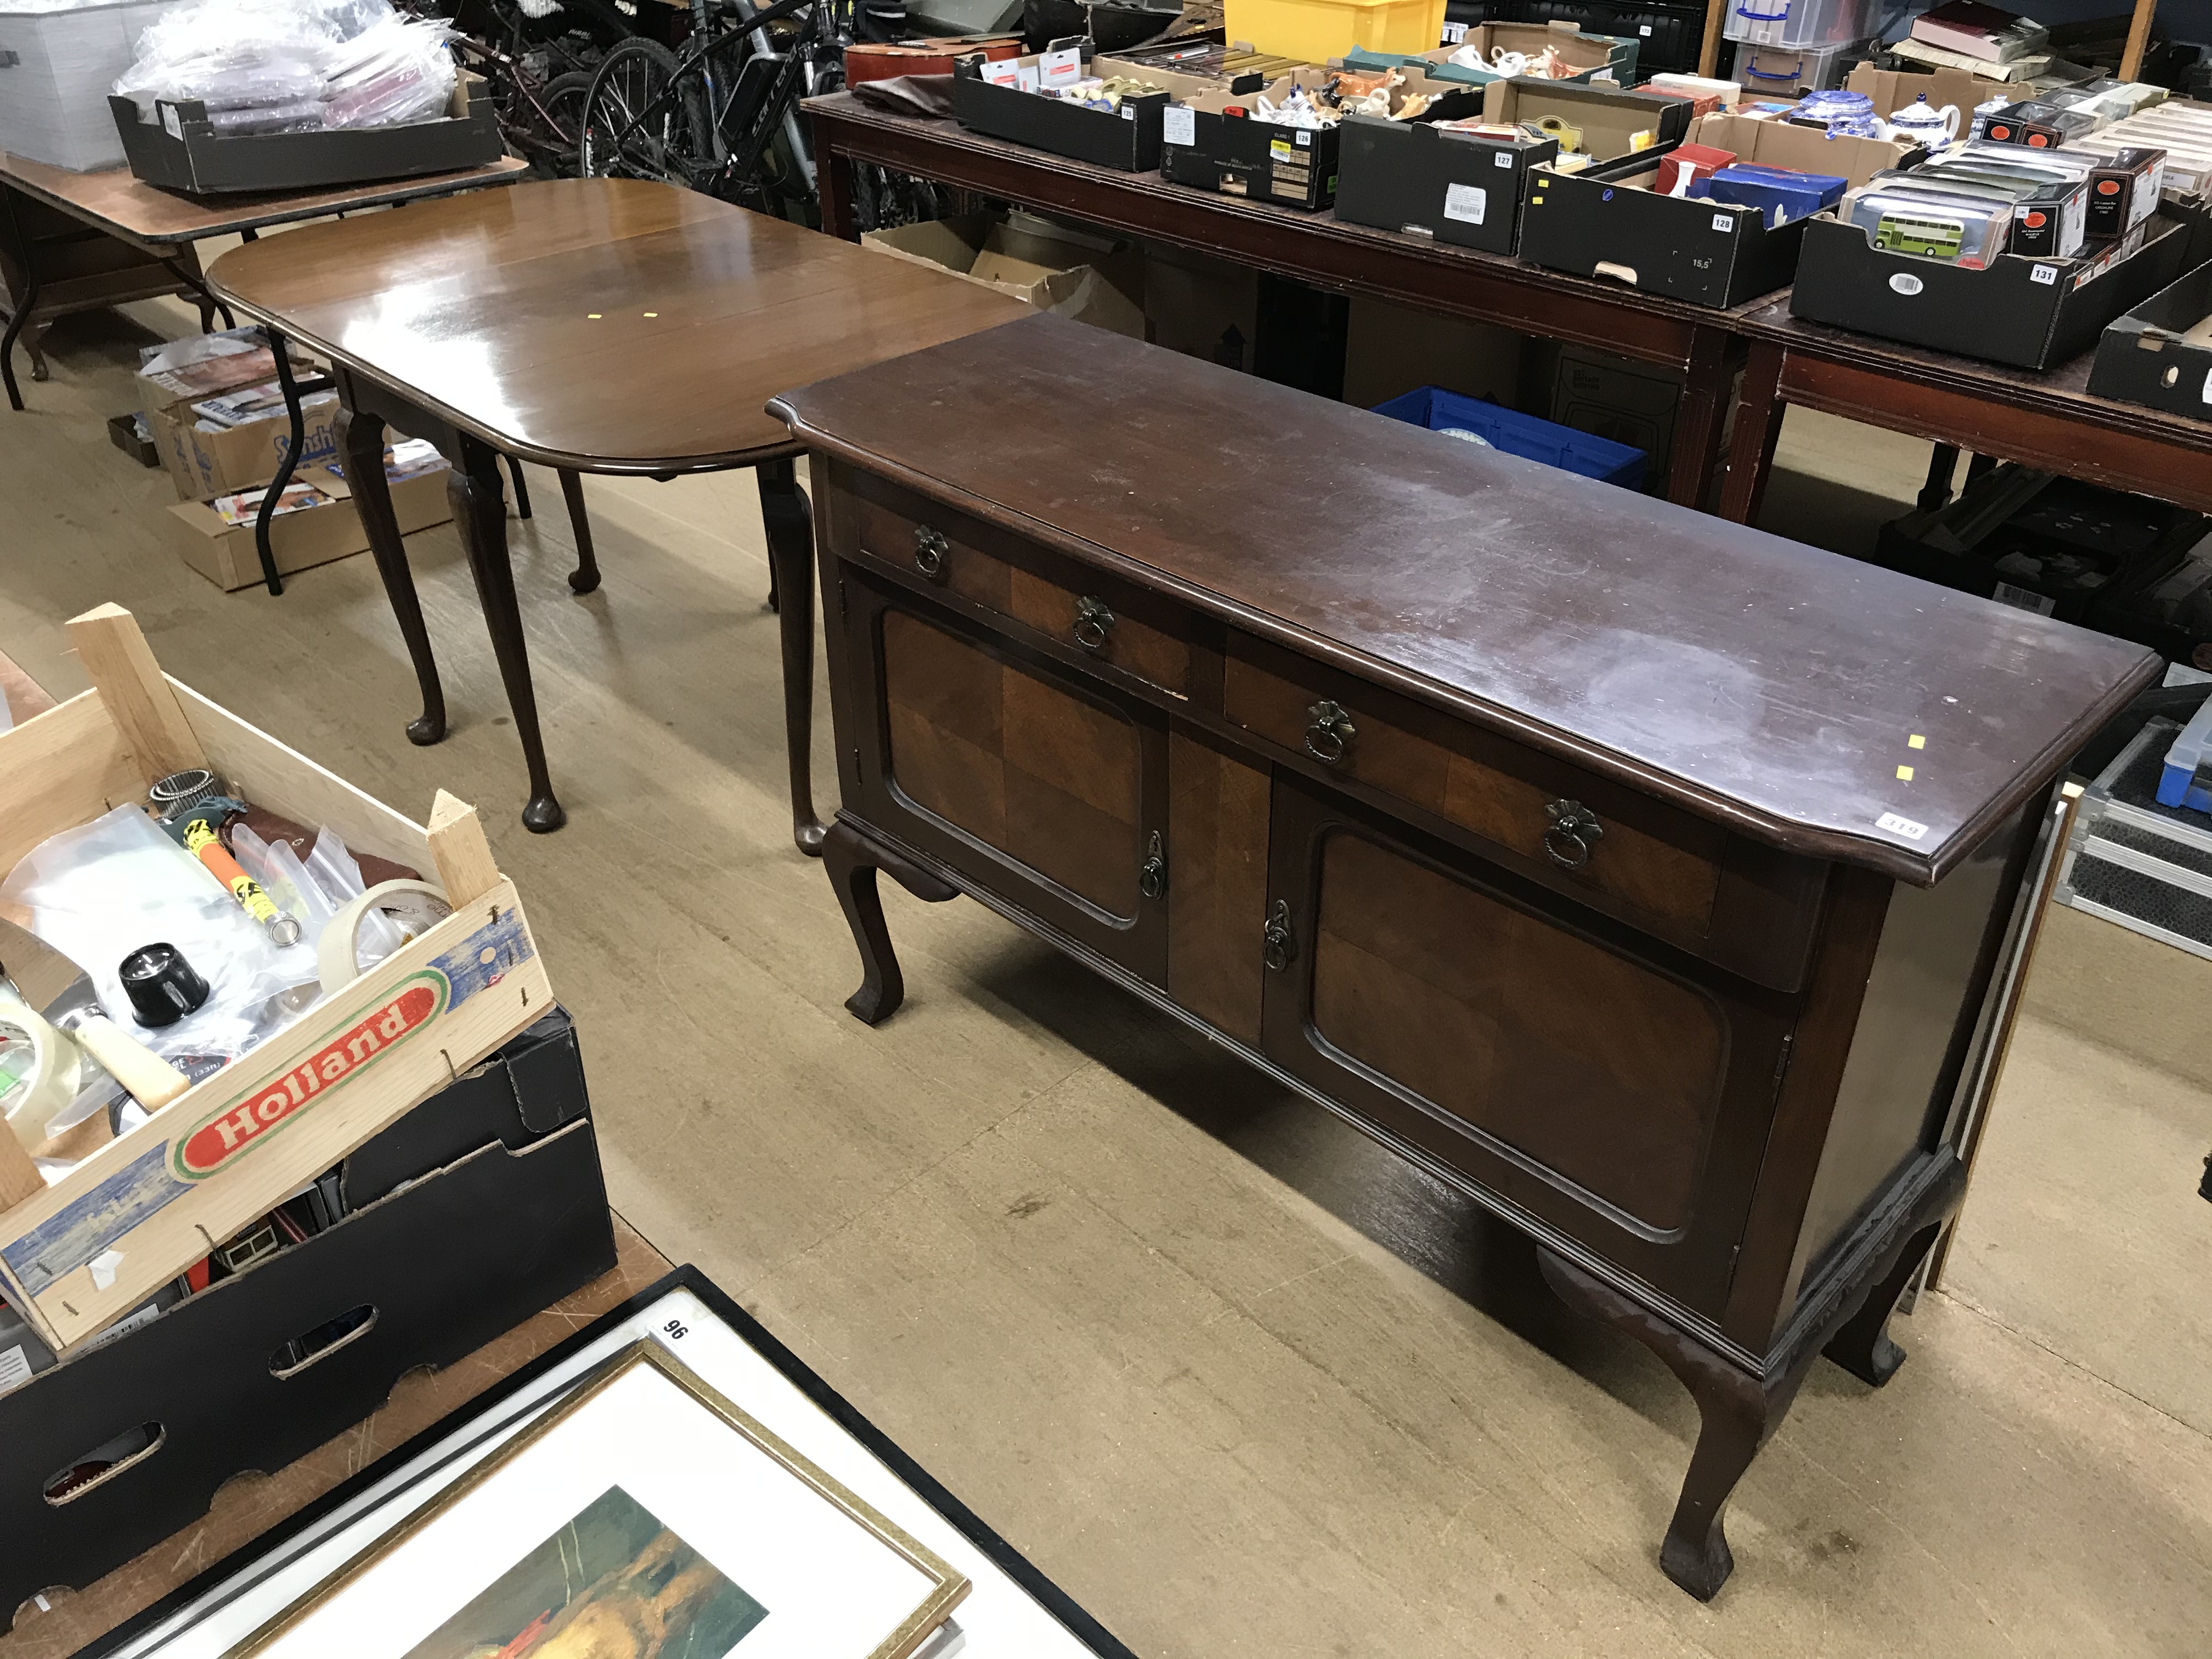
(930, 549)
(1329, 732)
(1093, 623)
(1573, 833)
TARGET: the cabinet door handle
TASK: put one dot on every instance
(1093, 623)
(930, 549)
(1279, 945)
(1573, 833)
(1152, 873)
(1329, 732)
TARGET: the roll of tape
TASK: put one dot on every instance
(53, 1079)
(416, 906)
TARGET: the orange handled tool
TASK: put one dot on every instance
(201, 840)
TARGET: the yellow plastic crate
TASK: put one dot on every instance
(1315, 31)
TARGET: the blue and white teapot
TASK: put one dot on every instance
(1921, 123)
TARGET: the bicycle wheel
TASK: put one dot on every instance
(564, 98)
(641, 117)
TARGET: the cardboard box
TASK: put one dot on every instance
(1390, 349)
(1201, 306)
(1465, 188)
(225, 554)
(1236, 156)
(1708, 252)
(1033, 261)
(86, 1249)
(2160, 354)
(997, 97)
(1893, 90)
(203, 464)
(471, 1212)
(2028, 313)
(1607, 57)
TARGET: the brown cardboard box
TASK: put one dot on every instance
(1036, 261)
(205, 464)
(1893, 90)
(225, 554)
(1806, 150)
(1201, 306)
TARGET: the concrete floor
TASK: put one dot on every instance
(1239, 1381)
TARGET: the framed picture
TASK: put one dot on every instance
(644, 1517)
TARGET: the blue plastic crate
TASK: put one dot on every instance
(1525, 436)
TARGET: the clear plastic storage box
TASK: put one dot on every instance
(1785, 71)
(57, 60)
(1800, 22)
(2186, 779)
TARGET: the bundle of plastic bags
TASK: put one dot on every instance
(293, 65)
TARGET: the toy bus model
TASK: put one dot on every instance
(1931, 238)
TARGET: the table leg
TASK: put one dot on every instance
(293, 445)
(1942, 464)
(585, 578)
(480, 513)
(361, 446)
(19, 305)
(521, 490)
(1757, 425)
(1704, 412)
(790, 525)
(833, 181)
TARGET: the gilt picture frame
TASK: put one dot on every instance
(646, 1514)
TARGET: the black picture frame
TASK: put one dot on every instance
(1053, 1600)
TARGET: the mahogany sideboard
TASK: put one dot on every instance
(1645, 876)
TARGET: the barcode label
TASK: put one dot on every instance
(1465, 203)
(1178, 125)
(2023, 598)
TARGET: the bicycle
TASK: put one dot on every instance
(539, 69)
(721, 115)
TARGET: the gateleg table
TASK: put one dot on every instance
(592, 325)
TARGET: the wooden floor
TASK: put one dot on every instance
(1240, 1381)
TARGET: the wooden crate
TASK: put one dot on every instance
(79, 1255)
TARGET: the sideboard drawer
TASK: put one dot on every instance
(1660, 863)
(1055, 597)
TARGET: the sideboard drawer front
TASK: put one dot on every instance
(1587, 1063)
(1662, 863)
(1050, 779)
(1074, 609)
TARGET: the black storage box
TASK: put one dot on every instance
(181, 149)
(2160, 354)
(2028, 313)
(2056, 546)
(1127, 139)
(1208, 150)
(1712, 254)
(1667, 36)
(477, 1209)
(1465, 188)
(1709, 253)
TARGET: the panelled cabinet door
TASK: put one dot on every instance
(1582, 1071)
(1045, 787)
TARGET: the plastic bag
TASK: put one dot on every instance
(98, 893)
(391, 74)
(244, 54)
